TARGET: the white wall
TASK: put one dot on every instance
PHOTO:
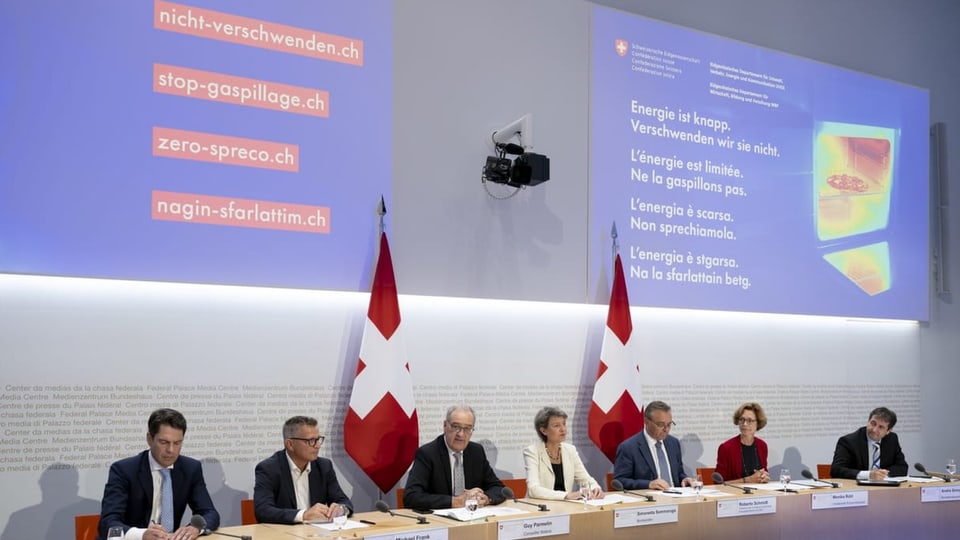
(463, 69)
(238, 361)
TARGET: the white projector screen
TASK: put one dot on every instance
(213, 142)
(745, 179)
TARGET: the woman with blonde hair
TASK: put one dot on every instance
(553, 466)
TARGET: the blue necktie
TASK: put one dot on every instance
(166, 500)
(662, 461)
(875, 463)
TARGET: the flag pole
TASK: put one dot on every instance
(615, 246)
(382, 211)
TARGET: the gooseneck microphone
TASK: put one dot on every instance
(618, 485)
(718, 478)
(809, 476)
(201, 525)
(509, 494)
(382, 506)
(945, 477)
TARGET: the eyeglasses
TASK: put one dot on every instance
(310, 442)
(747, 421)
(457, 427)
(663, 425)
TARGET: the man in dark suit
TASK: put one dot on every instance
(872, 452)
(295, 485)
(133, 496)
(637, 465)
(430, 483)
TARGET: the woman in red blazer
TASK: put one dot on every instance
(744, 457)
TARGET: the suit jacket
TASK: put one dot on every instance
(730, 457)
(274, 497)
(430, 485)
(851, 456)
(540, 477)
(635, 467)
(128, 494)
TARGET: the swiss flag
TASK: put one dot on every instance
(381, 431)
(617, 411)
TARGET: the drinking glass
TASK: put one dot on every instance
(951, 467)
(339, 518)
(698, 486)
(584, 491)
(784, 478)
(471, 504)
(115, 533)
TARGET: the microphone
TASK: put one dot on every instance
(382, 506)
(618, 485)
(945, 477)
(509, 494)
(201, 525)
(809, 475)
(718, 478)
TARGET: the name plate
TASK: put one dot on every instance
(512, 529)
(439, 533)
(747, 507)
(839, 499)
(939, 494)
(645, 515)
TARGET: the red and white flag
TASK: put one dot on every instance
(617, 410)
(381, 432)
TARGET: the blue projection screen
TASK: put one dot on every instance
(745, 179)
(237, 142)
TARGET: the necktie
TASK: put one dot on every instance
(875, 462)
(166, 500)
(662, 461)
(457, 473)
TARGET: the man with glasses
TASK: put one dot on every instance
(871, 452)
(451, 469)
(294, 485)
(651, 459)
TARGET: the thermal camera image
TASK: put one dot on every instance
(853, 177)
(867, 266)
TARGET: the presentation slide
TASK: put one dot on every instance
(236, 142)
(745, 179)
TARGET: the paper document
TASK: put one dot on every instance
(462, 514)
(329, 526)
(918, 479)
(683, 492)
(813, 483)
(674, 492)
(614, 498)
(777, 486)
